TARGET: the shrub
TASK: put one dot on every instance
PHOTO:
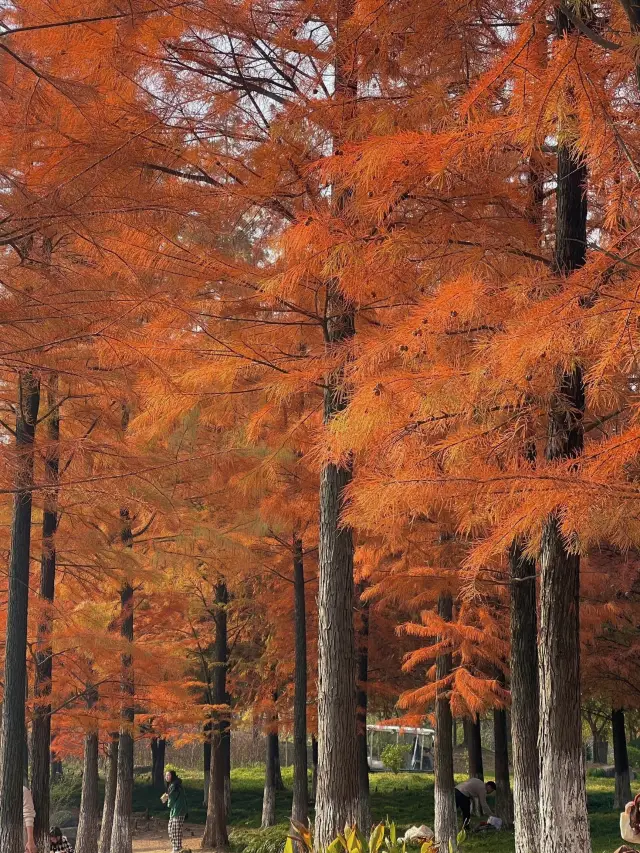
(270, 840)
(394, 757)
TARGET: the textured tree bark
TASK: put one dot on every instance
(338, 794)
(269, 796)
(41, 725)
(621, 760)
(215, 832)
(525, 699)
(226, 753)
(504, 799)
(474, 748)
(314, 771)
(277, 768)
(337, 798)
(15, 671)
(158, 753)
(446, 827)
(206, 760)
(121, 833)
(600, 750)
(564, 825)
(300, 806)
(364, 814)
(89, 822)
(110, 783)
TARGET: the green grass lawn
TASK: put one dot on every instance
(407, 799)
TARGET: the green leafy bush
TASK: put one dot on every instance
(394, 757)
(634, 756)
(270, 840)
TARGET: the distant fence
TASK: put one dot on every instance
(247, 748)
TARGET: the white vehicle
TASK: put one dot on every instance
(419, 741)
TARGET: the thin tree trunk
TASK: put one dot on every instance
(15, 671)
(525, 699)
(364, 814)
(504, 799)
(226, 754)
(158, 753)
(277, 774)
(121, 834)
(564, 825)
(41, 725)
(206, 759)
(300, 806)
(110, 783)
(474, 749)
(337, 798)
(446, 827)
(269, 796)
(89, 822)
(621, 760)
(215, 831)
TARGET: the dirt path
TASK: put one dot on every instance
(157, 841)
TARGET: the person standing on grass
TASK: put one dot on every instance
(473, 789)
(176, 801)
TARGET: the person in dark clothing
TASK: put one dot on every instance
(58, 842)
(176, 801)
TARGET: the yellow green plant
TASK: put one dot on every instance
(383, 839)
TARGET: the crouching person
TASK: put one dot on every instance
(630, 826)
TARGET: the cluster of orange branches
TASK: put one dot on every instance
(318, 329)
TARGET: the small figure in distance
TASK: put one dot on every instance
(176, 801)
(58, 842)
(473, 789)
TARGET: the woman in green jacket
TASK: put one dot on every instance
(176, 800)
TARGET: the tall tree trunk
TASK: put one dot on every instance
(277, 773)
(337, 798)
(525, 699)
(474, 749)
(121, 834)
(41, 725)
(504, 799)
(110, 782)
(158, 753)
(446, 827)
(564, 825)
(620, 760)
(89, 822)
(269, 796)
(314, 767)
(300, 806)
(226, 755)
(215, 832)
(206, 759)
(364, 815)
(15, 670)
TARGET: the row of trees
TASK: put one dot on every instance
(319, 368)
